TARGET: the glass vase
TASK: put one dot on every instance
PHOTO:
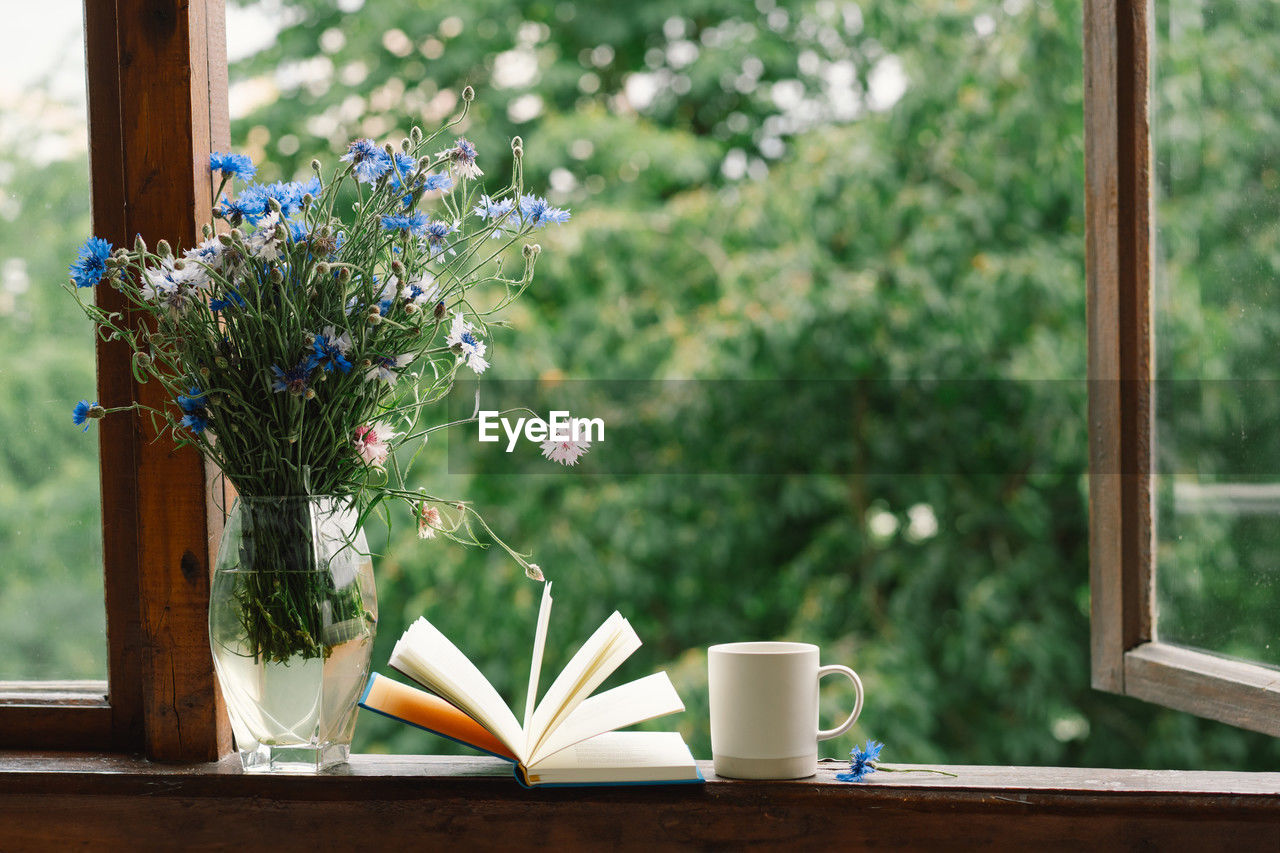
(292, 616)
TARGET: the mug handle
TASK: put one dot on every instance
(827, 734)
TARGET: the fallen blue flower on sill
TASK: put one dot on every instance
(862, 762)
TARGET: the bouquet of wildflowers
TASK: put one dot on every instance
(303, 343)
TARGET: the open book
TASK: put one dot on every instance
(570, 737)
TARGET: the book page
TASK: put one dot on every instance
(422, 709)
(428, 657)
(535, 665)
(619, 757)
(643, 699)
(606, 649)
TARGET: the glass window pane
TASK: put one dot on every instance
(858, 193)
(1216, 129)
(52, 618)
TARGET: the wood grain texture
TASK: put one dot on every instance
(1137, 370)
(1237, 692)
(1118, 218)
(166, 131)
(1102, 214)
(473, 803)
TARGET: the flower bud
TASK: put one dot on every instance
(311, 394)
(389, 148)
(468, 94)
(397, 269)
(307, 200)
(204, 372)
(531, 250)
(411, 308)
(96, 412)
(206, 231)
(140, 245)
(322, 268)
(439, 311)
(315, 166)
(225, 239)
(274, 204)
(405, 145)
(344, 275)
(415, 134)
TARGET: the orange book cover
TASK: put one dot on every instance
(430, 712)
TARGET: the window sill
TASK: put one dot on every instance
(413, 800)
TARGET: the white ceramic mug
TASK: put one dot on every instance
(764, 709)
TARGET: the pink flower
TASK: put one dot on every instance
(565, 452)
(428, 522)
(371, 443)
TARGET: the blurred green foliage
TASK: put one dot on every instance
(1216, 109)
(784, 191)
(52, 618)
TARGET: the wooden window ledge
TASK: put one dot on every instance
(411, 802)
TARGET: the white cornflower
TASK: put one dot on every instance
(385, 369)
(262, 243)
(462, 159)
(423, 290)
(470, 348)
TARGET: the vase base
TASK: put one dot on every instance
(264, 758)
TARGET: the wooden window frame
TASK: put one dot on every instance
(157, 95)
(1127, 654)
(157, 105)
(157, 101)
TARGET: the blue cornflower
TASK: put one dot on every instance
(437, 236)
(249, 206)
(411, 222)
(862, 762)
(232, 165)
(233, 298)
(369, 161)
(91, 262)
(404, 168)
(331, 350)
(487, 208)
(436, 181)
(83, 412)
(295, 380)
(196, 413)
(539, 212)
(288, 193)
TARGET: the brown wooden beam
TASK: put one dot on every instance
(389, 802)
(167, 111)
